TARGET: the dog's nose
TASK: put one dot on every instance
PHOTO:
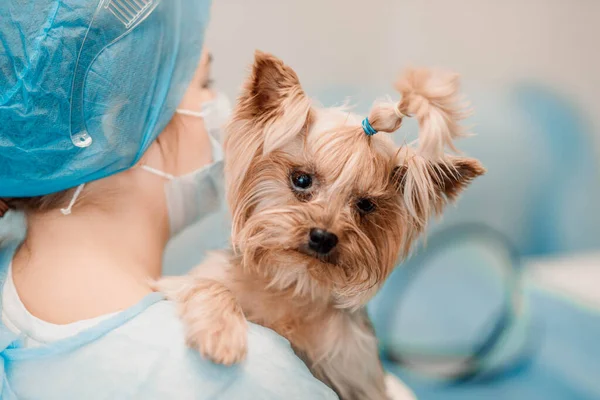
(321, 241)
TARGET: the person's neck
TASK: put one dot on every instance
(88, 263)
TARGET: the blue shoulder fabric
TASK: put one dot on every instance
(141, 353)
(12, 230)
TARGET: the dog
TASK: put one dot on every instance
(322, 210)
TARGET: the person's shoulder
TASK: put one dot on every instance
(271, 369)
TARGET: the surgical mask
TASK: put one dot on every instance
(215, 113)
(193, 196)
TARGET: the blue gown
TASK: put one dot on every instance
(140, 353)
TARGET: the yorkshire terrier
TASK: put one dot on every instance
(323, 208)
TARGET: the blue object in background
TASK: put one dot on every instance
(562, 215)
(547, 351)
(564, 365)
(455, 310)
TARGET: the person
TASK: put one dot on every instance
(101, 200)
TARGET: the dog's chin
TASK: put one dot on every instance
(311, 256)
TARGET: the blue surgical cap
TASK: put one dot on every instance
(87, 85)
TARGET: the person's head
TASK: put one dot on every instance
(84, 108)
(182, 147)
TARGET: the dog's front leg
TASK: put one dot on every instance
(213, 320)
(349, 359)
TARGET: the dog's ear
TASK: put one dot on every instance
(427, 186)
(269, 83)
(271, 111)
(456, 176)
(273, 99)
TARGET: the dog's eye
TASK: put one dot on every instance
(301, 180)
(365, 206)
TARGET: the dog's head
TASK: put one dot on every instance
(318, 206)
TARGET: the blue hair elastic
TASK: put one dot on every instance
(369, 131)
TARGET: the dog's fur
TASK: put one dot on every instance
(271, 277)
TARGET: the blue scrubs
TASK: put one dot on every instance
(140, 353)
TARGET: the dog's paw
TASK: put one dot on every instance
(225, 342)
(214, 323)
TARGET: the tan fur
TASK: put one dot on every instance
(317, 301)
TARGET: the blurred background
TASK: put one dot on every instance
(503, 302)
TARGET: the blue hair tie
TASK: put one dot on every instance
(369, 131)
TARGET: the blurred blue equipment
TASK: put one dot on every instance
(478, 324)
(87, 85)
(458, 322)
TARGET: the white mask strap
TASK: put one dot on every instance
(67, 211)
(157, 172)
(182, 111)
